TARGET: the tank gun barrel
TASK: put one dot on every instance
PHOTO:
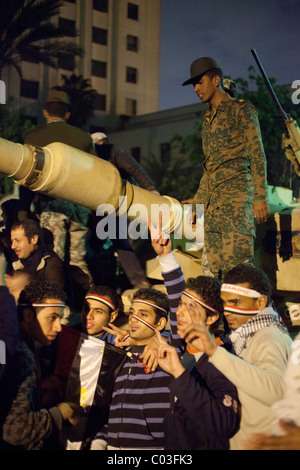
(64, 172)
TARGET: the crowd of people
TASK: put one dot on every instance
(206, 366)
(205, 363)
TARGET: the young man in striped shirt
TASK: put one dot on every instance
(141, 398)
(144, 410)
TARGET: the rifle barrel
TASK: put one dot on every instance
(267, 81)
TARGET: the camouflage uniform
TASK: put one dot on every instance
(234, 177)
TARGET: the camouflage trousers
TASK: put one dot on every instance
(60, 225)
(228, 237)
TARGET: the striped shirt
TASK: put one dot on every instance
(175, 285)
(139, 404)
(141, 400)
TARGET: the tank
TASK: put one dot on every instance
(64, 172)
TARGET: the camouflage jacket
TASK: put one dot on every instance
(235, 162)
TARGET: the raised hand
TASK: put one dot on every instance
(161, 242)
(149, 355)
(122, 338)
(167, 357)
(196, 333)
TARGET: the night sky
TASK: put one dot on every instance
(226, 30)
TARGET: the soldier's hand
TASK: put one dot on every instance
(261, 212)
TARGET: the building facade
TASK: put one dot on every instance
(160, 133)
(121, 44)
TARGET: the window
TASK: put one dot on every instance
(31, 54)
(29, 89)
(100, 102)
(100, 36)
(130, 107)
(131, 75)
(100, 5)
(132, 43)
(99, 69)
(66, 62)
(133, 11)
(68, 26)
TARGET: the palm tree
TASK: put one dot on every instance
(82, 98)
(26, 29)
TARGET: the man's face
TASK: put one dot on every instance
(45, 326)
(240, 301)
(20, 244)
(182, 314)
(95, 315)
(206, 88)
(140, 332)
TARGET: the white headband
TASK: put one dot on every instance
(100, 299)
(127, 335)
(142, 321)
(236, 289)
(43, 305)
(200, 301)
(152, 304)
(240, 311)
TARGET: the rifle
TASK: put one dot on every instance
(291, 135)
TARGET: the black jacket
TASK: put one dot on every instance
(204, 412)
(126, 164)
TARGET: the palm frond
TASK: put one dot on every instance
(27, 23)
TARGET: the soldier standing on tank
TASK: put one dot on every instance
(233, 187)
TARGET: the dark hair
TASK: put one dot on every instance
(157, 297)
(38, 292)
(209, 289)
(108, 292)
(216, 72)
(57, 109)
(255, 277)
(30, 227)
